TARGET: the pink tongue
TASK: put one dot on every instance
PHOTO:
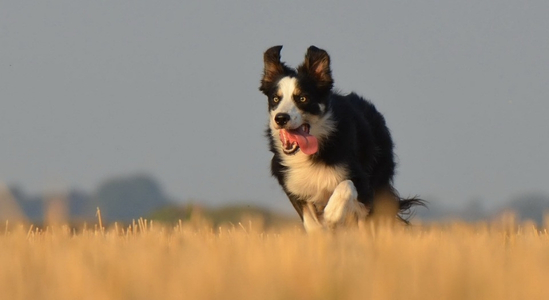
(306, 142)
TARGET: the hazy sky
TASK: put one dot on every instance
(95, 89)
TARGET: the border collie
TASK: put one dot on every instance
(333, 153)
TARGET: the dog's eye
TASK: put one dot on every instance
(302, 99)
(276, 99)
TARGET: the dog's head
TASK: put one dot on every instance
(298, 99)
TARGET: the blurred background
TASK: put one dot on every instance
(149, 108)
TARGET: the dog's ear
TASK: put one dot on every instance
(317, 65)
(273, 67)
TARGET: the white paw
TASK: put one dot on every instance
(342, 205)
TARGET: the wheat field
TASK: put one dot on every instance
(194, 260)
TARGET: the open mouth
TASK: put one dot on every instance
(298, 139)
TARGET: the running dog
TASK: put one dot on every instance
(333, 153)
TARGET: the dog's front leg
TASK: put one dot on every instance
(310, 218)
(343, 206)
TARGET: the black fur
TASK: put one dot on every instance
(361, 140)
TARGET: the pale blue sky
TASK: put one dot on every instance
(95, 89)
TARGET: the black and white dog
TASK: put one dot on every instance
(333, 154)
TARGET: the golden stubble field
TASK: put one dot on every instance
(193, 260)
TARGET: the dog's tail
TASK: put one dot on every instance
(405, 205)
(388, 203)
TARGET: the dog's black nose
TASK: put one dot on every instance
(282, 118)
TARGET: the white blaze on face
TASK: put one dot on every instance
(286, 90)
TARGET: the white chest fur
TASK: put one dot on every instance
(312, 181)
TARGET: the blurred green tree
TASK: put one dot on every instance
(126, 198)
